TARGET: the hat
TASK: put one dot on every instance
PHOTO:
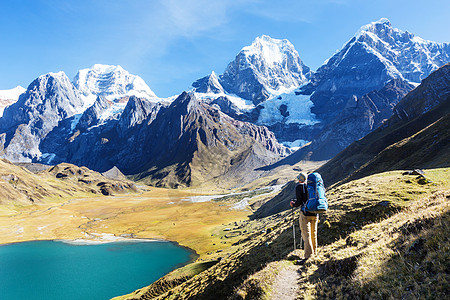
(302, 176)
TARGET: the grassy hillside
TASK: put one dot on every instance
(20, 187)
(383, 237)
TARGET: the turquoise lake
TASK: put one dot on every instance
(48, 270)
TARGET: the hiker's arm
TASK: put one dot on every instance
(298, 196)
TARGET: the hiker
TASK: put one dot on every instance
(308, 220)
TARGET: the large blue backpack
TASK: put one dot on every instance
(317, 202)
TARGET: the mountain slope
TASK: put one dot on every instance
(383, 235)
(185, 143)
(360, 116)
(19, 186)
(420, 122)
(197, 143)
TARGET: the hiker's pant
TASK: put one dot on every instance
(308, 226)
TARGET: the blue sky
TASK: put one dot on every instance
(171, 43)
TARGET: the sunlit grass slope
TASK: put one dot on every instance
(384, 237)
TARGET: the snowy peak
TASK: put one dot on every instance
(208, 84)
(378, 27)
(12, 94)
(265, 68)
(406, 56)
(8, 97)
(112, 82)
(269, 51)
(376, 54)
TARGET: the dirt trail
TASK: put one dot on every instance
(285, 285)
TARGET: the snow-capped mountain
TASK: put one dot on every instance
(8, 97)
(409, 57)
(96, 96)
(49, 99)
(111, 82)
(376, 54)
(107, 117)
(265, 68)
(258, 85)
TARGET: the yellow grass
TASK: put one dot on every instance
(157, 214)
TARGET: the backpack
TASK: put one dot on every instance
(317, 202)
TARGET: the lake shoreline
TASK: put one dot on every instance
(87, 242)
(115, 255)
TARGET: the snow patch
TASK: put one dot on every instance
(75, 121)
(12, 94)
(48, 157)
(8, 97)
(298, 107)
(240, 103)
(268, 49)
(295, 145)
(116, 108)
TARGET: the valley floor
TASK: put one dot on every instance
(156, 214)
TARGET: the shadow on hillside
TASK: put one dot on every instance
(277, 204)
(290, 160)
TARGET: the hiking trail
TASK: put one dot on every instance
(285, 285)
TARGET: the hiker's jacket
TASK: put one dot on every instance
(301, 195)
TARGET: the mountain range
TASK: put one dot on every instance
(107, 117)
(356, 88)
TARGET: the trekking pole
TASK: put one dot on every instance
(293, 225)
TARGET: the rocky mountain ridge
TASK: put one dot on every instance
(350, 95)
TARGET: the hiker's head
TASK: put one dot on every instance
(302, 177)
